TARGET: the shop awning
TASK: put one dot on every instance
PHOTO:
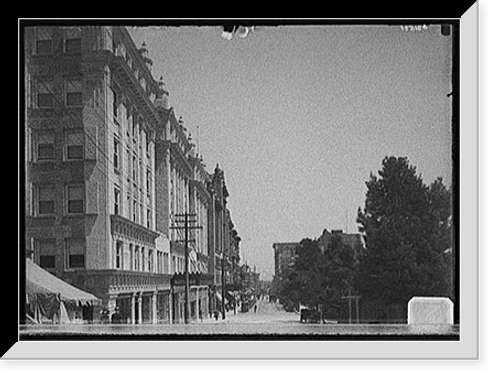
(219, 297)
(40, 281)
(230, 296)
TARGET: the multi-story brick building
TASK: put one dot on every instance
(108, 168)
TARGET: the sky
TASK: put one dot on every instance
(299, 116)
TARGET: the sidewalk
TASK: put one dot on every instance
(229, 314)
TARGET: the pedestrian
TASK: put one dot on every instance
(104, 316)
(255, 308)
(116, 318)
(200, 314)
(216, 313)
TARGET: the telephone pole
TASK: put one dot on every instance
(349, 298)
(186, 219)
(223, 265)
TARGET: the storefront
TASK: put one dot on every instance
(129, 297)
(199, 297)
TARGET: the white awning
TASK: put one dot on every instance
(40, 281)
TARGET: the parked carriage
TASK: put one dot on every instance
(310, 316)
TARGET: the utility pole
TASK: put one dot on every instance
(350, 306)
(349, 298)
(186, 219)
(234, 283)
(223, 286)
(453, 30)
(224, 243)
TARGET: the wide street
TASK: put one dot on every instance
(266, 313)
(270, 320)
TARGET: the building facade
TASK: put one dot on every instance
(219, 237)
(284, 254)
(182, 193)
(354, 240)
(109, 169)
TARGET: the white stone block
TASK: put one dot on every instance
(430, 310)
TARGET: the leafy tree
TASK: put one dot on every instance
(286, 288)
(318, 277)
(306, 270)
(338, 277)
(406, 227)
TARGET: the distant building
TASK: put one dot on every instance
(354, 240)
(223, 239)
(284, 255)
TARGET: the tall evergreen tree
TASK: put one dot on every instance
(407, 236)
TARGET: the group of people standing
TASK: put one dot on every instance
(116, 317)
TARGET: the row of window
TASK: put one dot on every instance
(133, 165)
(44, 41)
(134, 124)
(140, 259)
(44, 202)
(44, 199)
(45, 92)
(178, 264)
(74, 253)
(74, 150)
(72, 43)
(135, 208)
(45, 44)
(44, 147)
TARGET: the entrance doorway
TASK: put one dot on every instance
(137, 311)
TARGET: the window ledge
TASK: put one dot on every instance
(74, 215)
(43, 216)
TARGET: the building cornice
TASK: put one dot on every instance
(138, 59)
(201, 189)
(135, 90)
(123, 226)
(178, 158)
(180, 129)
